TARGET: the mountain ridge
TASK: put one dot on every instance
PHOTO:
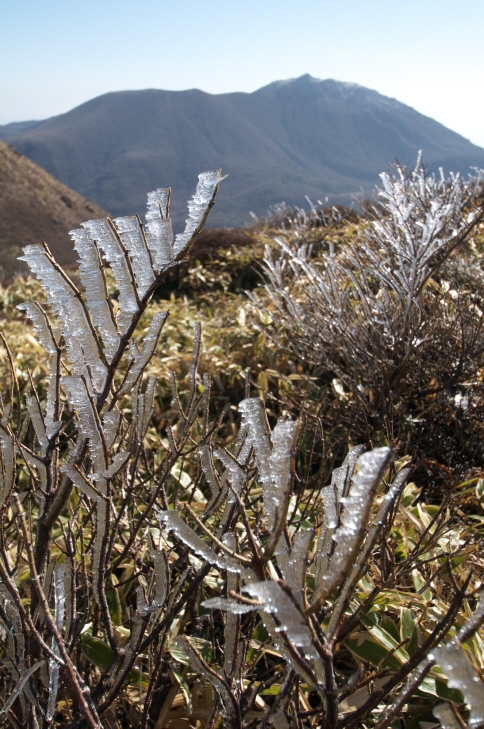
(289, 139)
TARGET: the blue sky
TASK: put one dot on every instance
(57, 54)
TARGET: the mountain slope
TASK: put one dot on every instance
(282, 142)
(34, 207)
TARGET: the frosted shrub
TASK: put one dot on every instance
(386, 319)
(155, 579)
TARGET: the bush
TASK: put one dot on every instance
(388, 325)
(127, 552)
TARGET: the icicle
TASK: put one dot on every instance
(141, 605)
(159, 231)
(110, 423)
(278, 602)
(162, 575)
(82, 346)
(175, 523)
(79, 481)
(101, 518)
(37, 421)
(59, 617)
(142, 358)
(93, 281)
(88, 423)
(69, 592)
(357, 505)
(7, 465)
(20, 686)
(233, 472)
(198, 207)
(232, 623)
(277, 488)
(119, 461)
(59, 595)
(137, 631)
(445, 713)
(231, 606)
(292, 562)
(103, 233)
(206, 462)
(145, 408)
(39, 320)
(343, 476)
(52, 426)
(131, 234)
(228, 708)
(462, 676)
(254, 419)
(273, 600)
(36, 463)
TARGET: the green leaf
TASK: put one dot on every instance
(407, 624)
(97, 652)
(419, 582)
(102, 656)
(366, 647)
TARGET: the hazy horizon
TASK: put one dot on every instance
(61, 54)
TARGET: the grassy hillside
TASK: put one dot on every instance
(36, 207)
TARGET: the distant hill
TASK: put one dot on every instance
(34, 207)
(287, 140)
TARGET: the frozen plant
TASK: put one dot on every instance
(378, 320)
(78, 487)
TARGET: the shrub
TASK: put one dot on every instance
(127, 553)
(388, 324)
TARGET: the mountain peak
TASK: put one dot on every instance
(306, 81)
(294, 137)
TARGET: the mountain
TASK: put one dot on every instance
(286, 140)
(10, 130)
(34, 207)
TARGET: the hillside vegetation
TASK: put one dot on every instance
(35, 207)
(227, 516)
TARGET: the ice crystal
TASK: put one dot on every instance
(131, 234)
(82, 345)
(80, 398)
(446, 715)
(175, 523)
(198, 208)
(7, 465)
(159, 230)
(35, 413)
(232, 622)
(462, 676)
(38, 317)
(292, 561)
(21, 684)
(277, 601)
(110, 423)
(370, 469)
(206, 462)
(105, 235)
(95, 289)
(59, 617)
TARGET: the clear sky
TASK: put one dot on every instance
(56, 54)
